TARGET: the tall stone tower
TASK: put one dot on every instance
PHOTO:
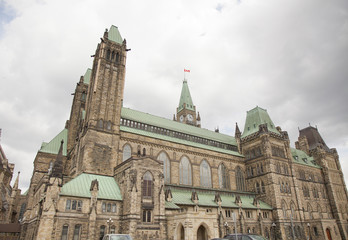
(99, 138)
(186, 111)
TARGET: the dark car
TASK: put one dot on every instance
(241, 236)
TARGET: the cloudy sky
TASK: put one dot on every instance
(288, 56)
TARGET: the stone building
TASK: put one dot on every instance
(10, 198)
(118, 170)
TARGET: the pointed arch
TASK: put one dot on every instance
(224, 180)
(127, 152)
(205, 174)
(293, 210)
(180, 232)
(163, 156)
(320, 212)
(147, 185)
(310, 211)
(240, 182)
(185, 171)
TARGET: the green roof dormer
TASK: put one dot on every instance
(185, 98)
(255, 117)
(114, 35)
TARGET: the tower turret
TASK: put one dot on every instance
(186, 111)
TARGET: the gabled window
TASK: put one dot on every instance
(205, 174)
(185, 171)
(147, 185)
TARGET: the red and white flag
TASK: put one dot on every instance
(186, 70)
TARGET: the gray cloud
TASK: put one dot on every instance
(286, 56)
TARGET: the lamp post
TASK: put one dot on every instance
(274, 231)
(226, 227)
(309, 231)
(109, 222)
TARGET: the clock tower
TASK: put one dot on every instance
(186, 111)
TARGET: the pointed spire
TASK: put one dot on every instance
(15, 186)
(57, 169)
(198, 117)
(185, 98)
(237, 132)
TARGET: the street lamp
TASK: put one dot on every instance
(109, 223)
(309, 231)
(226, 227)
(274, 230)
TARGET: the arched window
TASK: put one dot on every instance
(147, 185)
(240, 179)
(144, 151)
(108, 125)
(224, 180)
(112, 229)
(166, 166)
(100, 124)
(205, 174)
(117, 57)
(108, 54)
(127, 152)
(185, 171)
(112, 55)
(65, 232)
(77, 231)
(102, 232)
(293, 211)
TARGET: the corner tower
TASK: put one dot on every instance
(99, 138)
(186, 111)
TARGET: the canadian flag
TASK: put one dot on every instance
(185, 70)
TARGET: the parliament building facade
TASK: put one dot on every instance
(118, 170)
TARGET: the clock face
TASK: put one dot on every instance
(189, 117)
(181, 118)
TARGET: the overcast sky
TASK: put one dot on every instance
(290, 57)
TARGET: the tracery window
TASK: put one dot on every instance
(166, 166)
(205, 174)
(224, 180)
(240, 179)
(284, 209)
(147, 185)
(127, 152)
(293, 211)
(185, 172)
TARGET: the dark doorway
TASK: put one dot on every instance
(202, 233)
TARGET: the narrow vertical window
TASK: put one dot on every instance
(113, 207)
(205, 174)
(240, 179)
(224, 180)
(166, 166)
(127, 152)
(185, 171)
(147, 185)
(102, 232)
(68, 204)
(108, 54)
(77, 232)
(65, 232)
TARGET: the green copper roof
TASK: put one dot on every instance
(185, 98)
(114, 35)
(177, 140)
(80, 187)
(256, 117)
(206, 198)
(153, 120)
(299, 156)
(87, 76)
(54, 144)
